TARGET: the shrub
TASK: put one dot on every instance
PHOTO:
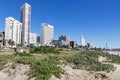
(23, 54)
(88, 60)
(101, 67)
(4, 59)
(44, 50)
(2, 63)
(42, 69)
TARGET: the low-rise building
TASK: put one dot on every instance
(73, 44)
(89, 45)
(2, 39)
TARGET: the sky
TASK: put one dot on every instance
(97, 20)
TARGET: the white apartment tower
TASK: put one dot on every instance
(47, 34)
(25, 20)
(13, 30)
(83, 41)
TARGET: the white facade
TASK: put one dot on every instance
(47, 34)
(25, 19)
(33, 38)
(83, 41)
(13, 30)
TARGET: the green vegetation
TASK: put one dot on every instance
(88, 60)
(111, 58)
(44, 50)
(41, 69)
(101, 67)
(21, 54)
(4, 59)
(114, 58)
(10, 42)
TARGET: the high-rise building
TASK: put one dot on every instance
(25, 20)
(33, 38)
(83, 41)
(47, 34)
(64, 41)
(13, 30)
(64, 38)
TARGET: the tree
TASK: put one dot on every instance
(19, 45)
(1, 40)
(10, 42)
(5, 41)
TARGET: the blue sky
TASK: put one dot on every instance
(97, 20)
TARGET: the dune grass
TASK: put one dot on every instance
(44, 65)
(41, 69)
(4, 58)
(88, 60)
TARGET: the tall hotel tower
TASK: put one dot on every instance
(47, 34)
(83, 41)
(25, 20)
